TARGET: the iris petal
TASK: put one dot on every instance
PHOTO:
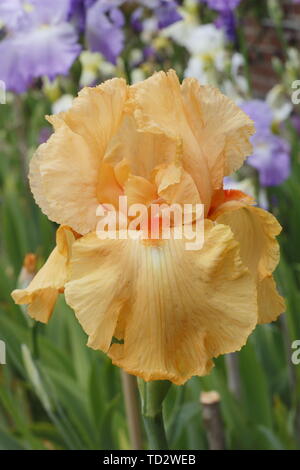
(174, 309)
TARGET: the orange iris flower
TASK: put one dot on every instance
(173, 310)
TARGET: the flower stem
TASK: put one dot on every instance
(155, 430)
(233, 374)
(152, 397)
(132, 410)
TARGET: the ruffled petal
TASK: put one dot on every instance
(221, 128)
(157, 106)
(139, 190)
(64, 172)
(142, 150)
(108, 188)
(96, 114)
(175, 185)
(41, 294)
(63, 179)
(174, 309)
(256, 229)
(99, 286)
(270, 303)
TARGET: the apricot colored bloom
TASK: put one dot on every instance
(172, 310)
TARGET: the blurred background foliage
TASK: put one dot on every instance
(55, 393)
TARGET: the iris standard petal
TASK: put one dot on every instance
(64, 172)
(143, 151)
(157, 106)
(221, 128)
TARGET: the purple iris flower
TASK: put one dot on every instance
(271, 157)
(103, 21)
(271, 153)
(10, 13)
(38, 42)
(77, 13)
(104, 33)
(226, 21)
(136, 19)
(164, 11)
(260, 112)
(226, 18)
(222, 5)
